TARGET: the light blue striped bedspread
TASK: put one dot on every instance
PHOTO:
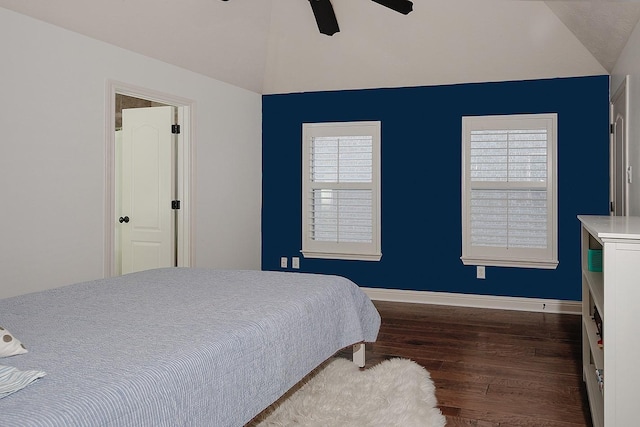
(176, 347)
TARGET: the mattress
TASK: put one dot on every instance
(176, 346)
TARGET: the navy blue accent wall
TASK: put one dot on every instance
(421, 179)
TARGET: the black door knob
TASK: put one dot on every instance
(124, 219)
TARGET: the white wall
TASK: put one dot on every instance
(629, 64)
(52, 114)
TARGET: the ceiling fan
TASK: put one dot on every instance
(326, 17)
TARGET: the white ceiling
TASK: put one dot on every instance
(602, 26)
(273, 46)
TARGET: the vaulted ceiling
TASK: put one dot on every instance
(602, 26)
(273, 46)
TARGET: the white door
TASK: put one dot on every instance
(146, 217)
(620, 174)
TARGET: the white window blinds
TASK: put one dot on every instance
(340, 191)
(341, 215)
(509, 191)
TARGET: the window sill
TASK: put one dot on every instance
(352, 257)
(547, 265)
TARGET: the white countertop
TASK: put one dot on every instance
(612, 227)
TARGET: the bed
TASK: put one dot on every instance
(176, 346)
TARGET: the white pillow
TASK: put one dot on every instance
(10, 345)
(12, 379)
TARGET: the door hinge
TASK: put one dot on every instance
(612, 207)
(611, 128)
(175, 129)
(175, 204)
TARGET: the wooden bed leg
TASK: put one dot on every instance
(358, 354)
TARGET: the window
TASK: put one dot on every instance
(509, 204)
(341, 190)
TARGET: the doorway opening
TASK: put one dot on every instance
(620, 171)
(151, 177)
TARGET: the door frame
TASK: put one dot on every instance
(622, 89)
(184, 173)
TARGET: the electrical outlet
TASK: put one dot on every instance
(295, 262)
(283, 262)
(480, 273)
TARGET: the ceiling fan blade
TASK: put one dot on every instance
(402, 6)
(325, 16)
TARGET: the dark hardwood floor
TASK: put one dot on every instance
(491, 367)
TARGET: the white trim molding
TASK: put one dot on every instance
(324, 226)
(478, 301)
(495, 149)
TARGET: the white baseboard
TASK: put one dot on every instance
(477, 301)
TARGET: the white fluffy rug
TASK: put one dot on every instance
(396, 392)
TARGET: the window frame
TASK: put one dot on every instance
(341, 250)
(511, 257)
